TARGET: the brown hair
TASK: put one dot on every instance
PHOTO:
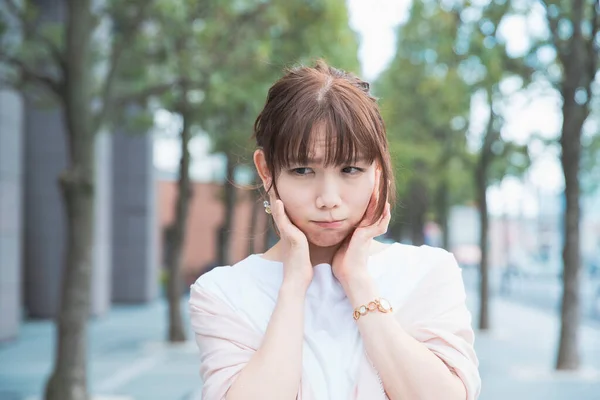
(306, 97)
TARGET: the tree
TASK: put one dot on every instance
(489, 62)
(425, 103)
(57, 60)
(573, 34)
(173, 45)
(176, 231)
(497, 159)
(449, 60)
(186, 41)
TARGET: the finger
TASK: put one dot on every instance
(370, 213)
(384, 222)
(380, 227)
(286, 227)
(278, 213)
(272, 198)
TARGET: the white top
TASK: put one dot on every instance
(332, 343)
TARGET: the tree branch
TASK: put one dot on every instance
(553, 25)
(28, 75)
(143, 95)
(578, 12)
(8, 84)
(117, 51)
(29, 29)
(234, 36)
(594, 48)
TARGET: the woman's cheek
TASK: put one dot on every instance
(291, 203)
(366, 194)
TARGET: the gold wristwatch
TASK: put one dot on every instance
(379, 304)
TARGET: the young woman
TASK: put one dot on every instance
(329, 313)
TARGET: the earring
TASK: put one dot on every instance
(267, 206)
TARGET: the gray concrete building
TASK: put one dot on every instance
(11, 143)
(134, 223)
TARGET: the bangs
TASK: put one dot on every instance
(346, 136)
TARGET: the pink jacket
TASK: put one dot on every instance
(433, 313)
(227, 343)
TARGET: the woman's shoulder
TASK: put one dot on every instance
(226, 273)
(410, 275)
(421, 257)
(412, 266)
(232, 280)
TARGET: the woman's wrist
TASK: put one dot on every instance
(293, 287)
(360, 289)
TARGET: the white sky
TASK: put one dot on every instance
(376, 22)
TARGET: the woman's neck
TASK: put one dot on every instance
(322, 255)
(318, 255)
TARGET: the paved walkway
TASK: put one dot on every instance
(129, 360)
(517, 356)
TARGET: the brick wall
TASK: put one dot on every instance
(205, 216)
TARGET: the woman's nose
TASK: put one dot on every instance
(328, 195)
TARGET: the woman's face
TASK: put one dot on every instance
(326, 202)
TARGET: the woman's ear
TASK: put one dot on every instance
(263, 170)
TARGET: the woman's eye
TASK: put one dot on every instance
(301, 171)
(352, 170)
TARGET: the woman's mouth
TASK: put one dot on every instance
(330, 224)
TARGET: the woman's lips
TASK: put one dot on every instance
(330, 224)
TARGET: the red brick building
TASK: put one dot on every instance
(205, 217)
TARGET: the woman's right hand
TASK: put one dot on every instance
(297, 268)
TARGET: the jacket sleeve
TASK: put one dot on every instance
(226, 341)
(437, 316)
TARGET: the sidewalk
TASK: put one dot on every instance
(518, 354)
(129, 360)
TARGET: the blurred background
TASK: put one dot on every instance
(126, 173)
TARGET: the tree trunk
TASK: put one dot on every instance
(265, 223)
(224, 242)
(579, 61)
(252, 239)
(176, 234)
(417, 211)
(272, 236)
(417, 203)
(442, 213)
(568, 355)
(396, 225)
(481, 181)
(252, 229)
(68, 380)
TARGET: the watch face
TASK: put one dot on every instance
(385, 304)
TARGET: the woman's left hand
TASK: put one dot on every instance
(351, 258)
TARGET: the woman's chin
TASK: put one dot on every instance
(326, 239)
